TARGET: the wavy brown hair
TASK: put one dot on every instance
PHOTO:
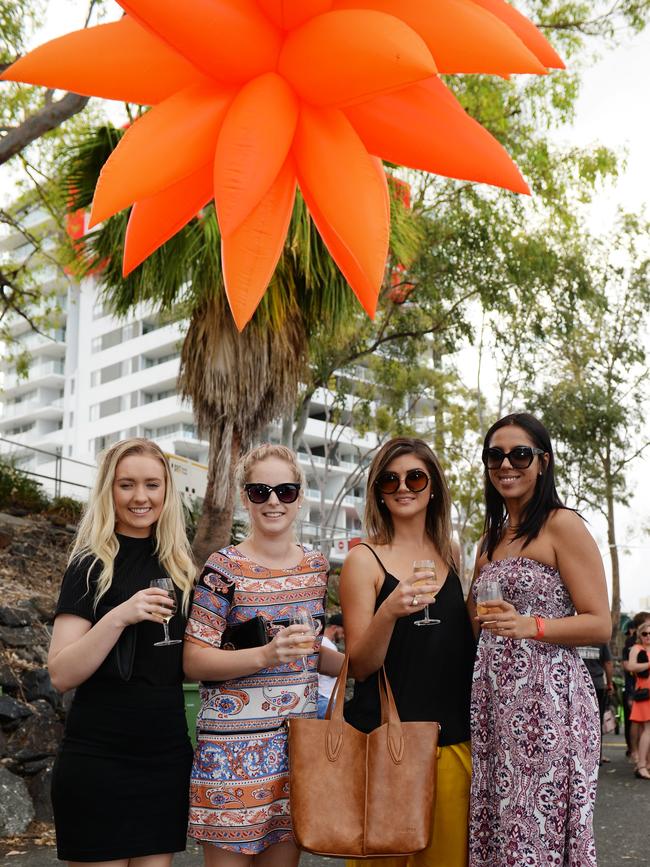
(377, 518)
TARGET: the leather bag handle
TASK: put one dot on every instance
(334, 713)
(390, 715)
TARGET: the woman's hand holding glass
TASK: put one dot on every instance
(500, 617)
(412, 594)
(290, 643)
(152, 603)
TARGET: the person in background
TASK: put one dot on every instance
(535, 732)
(632, 728)
(429, 667)
(639, 665)
(598, 660)
(120, 779)
(239, 794)
(333, 635)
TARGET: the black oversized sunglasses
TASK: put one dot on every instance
(415, 481)
(520, 458)
(644, 634)
(287, 492)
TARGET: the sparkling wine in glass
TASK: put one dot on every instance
(168, 585)
(420, 566)
(302, 617)
(488, 591)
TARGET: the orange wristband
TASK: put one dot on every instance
(540, 627)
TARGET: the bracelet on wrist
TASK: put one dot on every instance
(539, 623)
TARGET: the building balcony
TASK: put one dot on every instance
(28, 410)
(44, 374)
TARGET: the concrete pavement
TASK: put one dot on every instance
(622, 823)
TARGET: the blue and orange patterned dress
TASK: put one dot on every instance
(239, 792)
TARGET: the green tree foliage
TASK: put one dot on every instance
(592, 389)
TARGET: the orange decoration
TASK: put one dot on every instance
(154, 220)
(252, 97)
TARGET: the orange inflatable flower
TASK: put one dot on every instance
(253, 97)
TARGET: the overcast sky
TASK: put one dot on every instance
(612, 110)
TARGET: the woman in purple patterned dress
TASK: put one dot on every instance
(535, 724)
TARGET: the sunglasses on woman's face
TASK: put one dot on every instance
(645, 634)
(520, 458)
(286, 492)
(415, 481)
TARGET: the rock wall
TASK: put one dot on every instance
(33, 556)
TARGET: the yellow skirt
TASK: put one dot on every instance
(448, 847)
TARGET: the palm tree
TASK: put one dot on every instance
(238, 382)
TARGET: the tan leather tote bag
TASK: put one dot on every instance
(362, 796)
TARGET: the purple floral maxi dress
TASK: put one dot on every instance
(535, 735)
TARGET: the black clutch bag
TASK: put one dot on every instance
(249, 633)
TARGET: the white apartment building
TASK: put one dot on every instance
(95, 379)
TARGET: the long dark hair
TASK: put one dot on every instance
(378, 520)
(545, 497)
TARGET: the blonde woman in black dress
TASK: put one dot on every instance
(120, 780)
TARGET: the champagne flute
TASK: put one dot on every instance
(488, 591)
(168, 585)
(420, 566)
(302, 617)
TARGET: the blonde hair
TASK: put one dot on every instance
(260, 453)
(377, 518)
(96, 534)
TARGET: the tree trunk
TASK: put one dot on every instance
(45, 119)
(215, 524)
(616, 575)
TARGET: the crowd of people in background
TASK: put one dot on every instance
(518, 675)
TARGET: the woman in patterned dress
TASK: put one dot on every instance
(640, 712)
(535, 725)
(239, 794)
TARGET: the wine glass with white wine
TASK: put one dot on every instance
(168, 585)
(420, 566)
(302, 617)
(487, 591)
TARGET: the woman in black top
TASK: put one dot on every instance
(429, 666)
(120, 780)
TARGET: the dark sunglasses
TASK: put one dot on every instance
(644, 634)
(415, 481)
(520, 458)
(286, 492)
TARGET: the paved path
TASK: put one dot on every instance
(622, 823)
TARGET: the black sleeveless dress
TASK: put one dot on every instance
(429, 667)
(120, 782)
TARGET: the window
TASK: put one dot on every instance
(110, 407)
(108, 374)
(105, 341)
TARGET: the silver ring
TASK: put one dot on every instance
(415, 602)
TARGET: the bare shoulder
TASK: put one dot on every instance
(361, 557)
(565, 524)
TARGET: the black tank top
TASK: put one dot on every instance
(429, 667)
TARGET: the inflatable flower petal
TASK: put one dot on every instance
(425, 127)
(252, 97)
(461, 36)
(154, 220)
(288, 14)
(251, 252)
(115, 61)
(168, 143)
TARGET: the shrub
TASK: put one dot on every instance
(19, 491)
(67, 508)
